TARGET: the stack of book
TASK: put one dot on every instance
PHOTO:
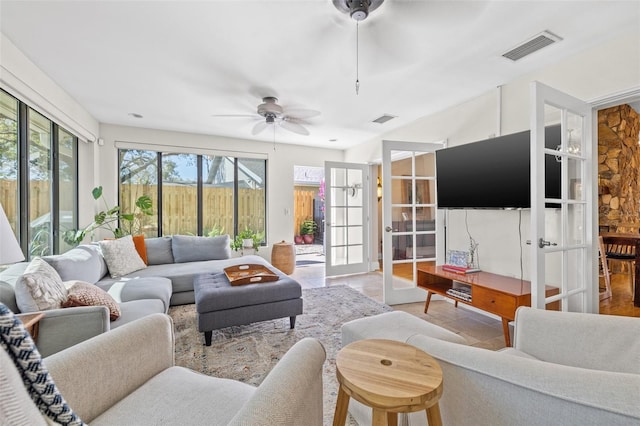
(462, 293)
(459, 269)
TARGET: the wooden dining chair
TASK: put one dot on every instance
(604, 270)
(623, 250)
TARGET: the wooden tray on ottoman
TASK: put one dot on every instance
(249, 274)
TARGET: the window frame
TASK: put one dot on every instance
(237, 157)
(23, 178)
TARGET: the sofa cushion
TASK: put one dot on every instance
(396, 325)
(159, 250)
(8, 296)
(177, 394)
(182, 274)
(121, 256)
(128, 289)
(84, 263)
(192, 249)
(136, 309)
(515, 352)
(80, 293)
(39, 288)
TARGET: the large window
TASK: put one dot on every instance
(38, 177)
(9, 159)
(199, 194)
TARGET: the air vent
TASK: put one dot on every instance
(384, 118)
(541, 40)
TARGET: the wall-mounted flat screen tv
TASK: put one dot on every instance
(494, 173)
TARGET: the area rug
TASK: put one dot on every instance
(248, 353)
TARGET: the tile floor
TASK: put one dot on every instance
(479, 330)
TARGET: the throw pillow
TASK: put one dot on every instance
(84, 262)
(141, 247)
(19, 345)
(121, 256)
(188, 248)
(39, 288)
(159, 250)
(80, 293)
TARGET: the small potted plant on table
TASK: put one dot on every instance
(247, 239)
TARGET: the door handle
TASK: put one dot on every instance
(542, 243)
(388, 229)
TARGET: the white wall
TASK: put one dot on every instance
(279, 167)
(24, 80)
(609, 68)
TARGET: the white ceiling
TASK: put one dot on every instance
(178, 63)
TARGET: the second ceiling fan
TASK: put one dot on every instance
(291, 119)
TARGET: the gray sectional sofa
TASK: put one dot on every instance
(173, 262)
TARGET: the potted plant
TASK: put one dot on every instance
(307, 230)
(113, 219)
(247, 239)
(297, 239)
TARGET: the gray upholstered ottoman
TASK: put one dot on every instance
(219, 304)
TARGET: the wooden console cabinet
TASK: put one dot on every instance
(492, 293)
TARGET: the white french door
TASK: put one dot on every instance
(346, 218)
(562, 216)
(409, 217)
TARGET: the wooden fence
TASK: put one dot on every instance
(179, 206)
(302, 206)
(39, 201)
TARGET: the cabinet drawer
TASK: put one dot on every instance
(495, 302)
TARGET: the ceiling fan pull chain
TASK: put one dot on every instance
(357, 59)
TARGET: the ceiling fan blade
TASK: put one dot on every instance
(235, 115)
(260, 126)
(294, 127)
(300, 113)
(296, 120)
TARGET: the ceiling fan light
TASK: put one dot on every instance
(359, 9)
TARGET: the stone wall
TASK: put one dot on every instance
(619, 169)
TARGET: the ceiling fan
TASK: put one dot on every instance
(271, 113)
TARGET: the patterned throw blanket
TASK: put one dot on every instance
(17, 342)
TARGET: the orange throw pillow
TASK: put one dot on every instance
(141, 247)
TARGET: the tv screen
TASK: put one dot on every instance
(494, 173)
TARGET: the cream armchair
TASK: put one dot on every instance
(128, 376)
(564, 369)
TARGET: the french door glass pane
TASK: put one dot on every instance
(138, 177)
(68, 186)
(40, 179)
(9, 158)
(179, 194)
(339, 255)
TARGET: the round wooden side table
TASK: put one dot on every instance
(390, 377)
